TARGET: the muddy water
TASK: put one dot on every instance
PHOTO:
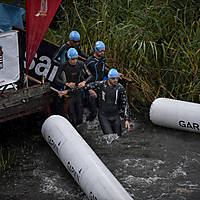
(151, 162)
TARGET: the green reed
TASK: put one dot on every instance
(155, 43)
(6, 159)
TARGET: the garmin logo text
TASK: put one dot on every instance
(73, 172)
(52, 143)
(190, 125)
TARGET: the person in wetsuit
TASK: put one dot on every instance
(112, 100)
(75, 74)
(74, 42)
(96, 65)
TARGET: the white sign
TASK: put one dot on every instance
(9, 72)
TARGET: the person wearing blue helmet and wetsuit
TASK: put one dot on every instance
(73, 42)
(96, 62)
(112, 102)
(73, 73)
(97, 66)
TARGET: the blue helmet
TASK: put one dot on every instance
(72, 52)
(74, 35)
(99, 45)
(113, 73)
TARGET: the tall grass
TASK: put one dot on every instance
(6, 159)
(155, 43)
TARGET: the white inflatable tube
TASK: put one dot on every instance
(87, 169)
(176, 114)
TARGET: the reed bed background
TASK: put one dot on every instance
(155, 43)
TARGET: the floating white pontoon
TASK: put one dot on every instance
(176, 114)
(87, 169)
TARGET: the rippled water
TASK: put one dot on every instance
(151, 162)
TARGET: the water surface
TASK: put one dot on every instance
(151, 162)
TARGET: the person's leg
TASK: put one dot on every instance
(92, 107)
(116, 125)
(105, 124)
(71, 111)
(79, 109)
(57, 107)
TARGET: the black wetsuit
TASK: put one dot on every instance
(112, 100)
(99, 71)
(76, 74)
(63, 49)
(97, 67)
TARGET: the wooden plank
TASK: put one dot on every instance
(12, 98)
(32, 106)
(33, 79)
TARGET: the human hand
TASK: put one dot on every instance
(71, 84)
(127, 125)
(81, 84)
(93, 93)
(61, 93)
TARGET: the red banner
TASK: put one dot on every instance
(39, 14)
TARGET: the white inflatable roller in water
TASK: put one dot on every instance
(176, 114)
(87, 169)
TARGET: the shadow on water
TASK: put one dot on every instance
(151, 162)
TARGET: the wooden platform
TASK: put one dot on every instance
(14, 104)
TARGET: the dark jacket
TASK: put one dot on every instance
(97, 67)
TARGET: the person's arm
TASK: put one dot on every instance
(85, 77)
(124, 106)
(106, 68)
(58, 54)
(90, 64)
(124, 103)
(96, 86)
(59, 77)
(87, 73)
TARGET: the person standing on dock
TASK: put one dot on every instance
(73, 42)
(96, 65)
(112, 102)
(73, 73)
